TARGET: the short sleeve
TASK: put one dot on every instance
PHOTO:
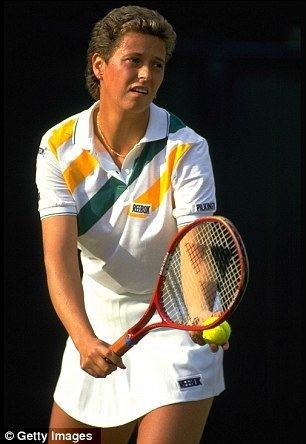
(193, 184)
(54, 198)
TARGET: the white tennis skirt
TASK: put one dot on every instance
(165, 367)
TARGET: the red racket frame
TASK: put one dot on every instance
(141, 328)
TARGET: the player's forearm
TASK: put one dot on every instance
(63, 275)
(65, 288)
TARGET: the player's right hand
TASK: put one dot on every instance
(97, 359)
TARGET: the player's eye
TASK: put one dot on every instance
(159, 65)
(134, 60)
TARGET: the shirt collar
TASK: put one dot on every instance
(84, 129)
(158, 127)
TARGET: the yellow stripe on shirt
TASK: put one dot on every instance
(156, 193)
(79, 169)
(60, 135)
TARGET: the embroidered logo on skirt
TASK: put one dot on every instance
(187, 383)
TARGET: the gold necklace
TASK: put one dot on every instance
(104, 141)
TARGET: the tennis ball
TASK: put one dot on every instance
(217, 335)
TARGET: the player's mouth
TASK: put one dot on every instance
(140, 90)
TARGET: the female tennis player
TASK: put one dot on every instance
(116, 182)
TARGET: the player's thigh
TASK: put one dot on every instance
(181, 423)
(118, 435)
(61, 422)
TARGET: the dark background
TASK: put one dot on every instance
(235, 78)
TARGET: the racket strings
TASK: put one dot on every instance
(172, 296)
(203, 275)
(195, 255)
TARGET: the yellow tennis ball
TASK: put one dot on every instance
(217, 335)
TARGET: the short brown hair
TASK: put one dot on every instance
(107, 33)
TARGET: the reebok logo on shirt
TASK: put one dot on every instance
(140, 210)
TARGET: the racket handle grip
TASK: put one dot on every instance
(122, 345)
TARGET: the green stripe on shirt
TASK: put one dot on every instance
(105, 198)
(98, 205)
(175, 124)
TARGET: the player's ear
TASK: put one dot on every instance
(98, 64)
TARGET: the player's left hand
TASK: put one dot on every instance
(197, 337)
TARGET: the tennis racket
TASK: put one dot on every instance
(204, 274)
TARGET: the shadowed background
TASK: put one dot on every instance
(234, 78)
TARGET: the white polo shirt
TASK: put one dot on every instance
(126, 218)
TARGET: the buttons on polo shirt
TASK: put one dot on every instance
(127, 171)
